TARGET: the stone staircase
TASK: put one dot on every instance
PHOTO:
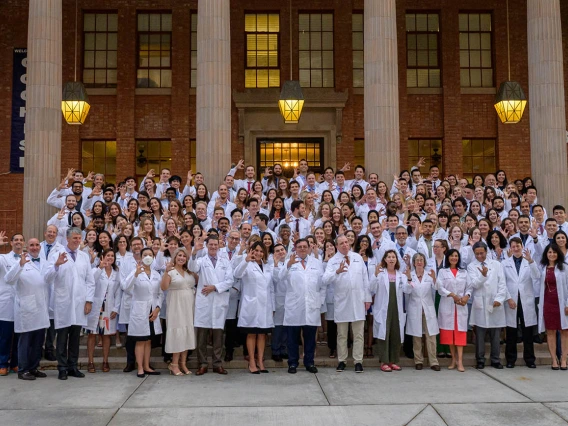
(117, 358)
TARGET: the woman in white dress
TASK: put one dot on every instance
(105, 309)
(180, 284)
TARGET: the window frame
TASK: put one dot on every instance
(425, 171)
(287, 140)
(492, 39)
(149, 33)
(82, 59)
(191, 35)
(438, 48)
(333, 32)
(469, 175)
(105, 141)
(353, 50)
(278, 47)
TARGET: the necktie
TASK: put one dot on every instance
(230, 253)
(297, 225)
(73, 255)
(304, 263)
(47, 250)
(401, 251)
(392, 236)
(347, 259)
(213, 261)
(35, 259)
(540, 229)
(17, 256)
(248, 183)
(340, 189)
(69, 218)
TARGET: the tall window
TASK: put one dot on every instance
(152, 154)
(476, 54)
(288, 153)
(316, 49)
(99, 157)
(359, 152)
(262, 32)
(358, 52)
(192, 156)
(154, 50)
(194, 49)
(478, 157)
(100, 49)
(430, 149)
(422, 50)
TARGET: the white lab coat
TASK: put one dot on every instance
(43, 259)
(32, 297)
(146, 296)
(211, 310)
(421, 300)
(521, 285)
(459, 285)
(235, 290)
(486, 290)
(73, 286)
(257, 294)
(562, 289)
(109, 286)
(380, 287)
(7, 291)
(351, 288)
(305, 292)
(279, 294)
(407, 251)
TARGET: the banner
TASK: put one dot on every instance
(17, 139)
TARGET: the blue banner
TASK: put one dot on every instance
(17, 139)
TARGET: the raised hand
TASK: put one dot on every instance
(527, 256)
(342, 268)
(90, 176)
(241, 164)
(70, 173)
(432, 274)
(483, 270)
(24, 259)
(151, 174)
(3, 238)
(63, 185)
(378, 270)
(61, 213)
(61, 259)
(293, 259)
(169, 266)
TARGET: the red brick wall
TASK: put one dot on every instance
(127, 116)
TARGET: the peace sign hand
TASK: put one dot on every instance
(483, 270)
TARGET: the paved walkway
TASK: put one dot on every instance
(506, 397)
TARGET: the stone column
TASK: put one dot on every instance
(213, 115)
(382, 137)
(42, 163)
(546, 102)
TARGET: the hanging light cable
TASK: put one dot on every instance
(510, 101)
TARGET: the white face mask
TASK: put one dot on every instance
(147, 260)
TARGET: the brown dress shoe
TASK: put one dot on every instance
(3, 371)
(435, 367)
(220, 370)
(91, 368)
(14, 369)
(106, 367)
(201, 371)
(418, 366)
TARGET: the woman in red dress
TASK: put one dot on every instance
(553, 309)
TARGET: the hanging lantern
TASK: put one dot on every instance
(510, 102)
(291, 101)
(75, 103)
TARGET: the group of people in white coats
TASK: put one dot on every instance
(178, 267)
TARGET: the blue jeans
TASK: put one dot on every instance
(8, 345)
(279, 337)
(309, 333)
(29, 350)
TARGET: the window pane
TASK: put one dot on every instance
(487, 76)
(475, 76)
(358, 78)
(473, 22)
(89, 22)
(112, 22)
(315, 40)
(435, 78)
(327, 22)
(155, 22)
(274, 23)
(327, 41)
(463, 22)
(433, 24)
(101, 22)
(410, 22)
(411, 78)
(357, 21)
(422, 78)
(315, 22)
(485, 22)
(304, 58)
(464, 78)
(90, 41)
(143, 22)
(316, 78)
(328, 80)
(421, 22)
(250, 23)
(357, 59)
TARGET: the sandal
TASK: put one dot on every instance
(106, 367)
(386, 368)
(91, 367)
(395, 367)
(183, 368)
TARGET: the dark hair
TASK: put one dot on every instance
(559, 261)
(331, 193)
(360, 188)
(98, 247)
(262, 217)
(146, 249)
(502, 240)
(82, 227)
(296, 205)
(368, 250)
(127, 242)
(103, 254)
(561, 232)
(480, 244)
(273, 210)
(264, 234)
(558, 207)
(447, 258)
(261, 245)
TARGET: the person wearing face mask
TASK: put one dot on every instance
(73, 292)
(144, 284)
(487, 279)
(31, 316)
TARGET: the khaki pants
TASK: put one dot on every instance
(202, 337)
(358, 328)
(430, 346)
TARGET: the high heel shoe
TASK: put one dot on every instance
(253, 372)
(140, 375)
(557, 366)
(183, 368)
(170, 366)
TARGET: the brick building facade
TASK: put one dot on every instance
(445, 116)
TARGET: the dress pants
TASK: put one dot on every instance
(358, 329)
(511, 339)
(494, 338)
(309, 333)
(50, 337)
(279, 340)
(67, 350)
(130, 346)
(331, 335)
(430, 345)
(29, 350)
(8, 345)
(202, 337)
(232, 336)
